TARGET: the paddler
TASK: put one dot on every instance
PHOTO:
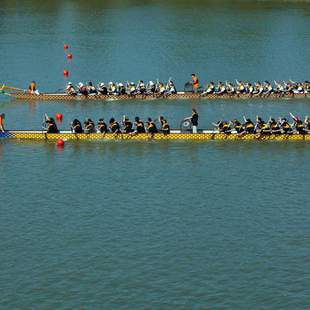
(261, 126)
(114, 126)
(102, 126)
(285, 126)
(70, 89)
(238, 126)
(89, 126)
(151, 127)
(76, 126)
(102, 89)
(299, 125)
(127, 125)
(195, 82)
(223, 126)
(248, 125)
(165, 128)
(151, 87)
(139, 125)
(2, 117)
(50, 124)
(91, 88)
(274, 126)
(170, 87)
(82, 89)
(141, 87)
(307, 123)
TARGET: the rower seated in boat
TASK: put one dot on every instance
(32, 88)
(89, 126)
(131, 88)
(223, 126)
(268, 89)
(161, 89)
(210, 89)
(141, 88)
(151, 127)
(91, 88)
(102, 89)
(121, 89)
(139, 125)
(112, 89)
(50, 125)
(230, 88)
(151, 87)
(240, 87)
(298, 124)
(250, 89)
(76, 126)
(237, 126)
(248, 125)
(165, 128)
(307, 123)
(274, 126)
(70, 90)
(221, 89)
(82, 89)
(127, 125)
(102, 126)
(261, 126)
(114, 126)
(285, 125)
(170, 87)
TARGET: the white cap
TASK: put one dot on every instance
(69, 83)
(81, 84)
(151, 83)
(132, 83)
(120, 84)
(110, 83)
(101, 84)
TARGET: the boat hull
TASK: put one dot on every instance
(180, 95)
(203, 136)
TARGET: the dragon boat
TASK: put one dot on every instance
(179, 95)
(203, 135)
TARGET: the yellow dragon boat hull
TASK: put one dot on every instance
(201, 136)
(179, 95)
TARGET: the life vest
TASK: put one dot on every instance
(140, 127)
(114, 126)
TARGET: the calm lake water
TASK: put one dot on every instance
(157, 225)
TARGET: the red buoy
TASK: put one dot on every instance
(60, 143)
(59, 116)
(69, 56)
(66, 46)
(66, 72)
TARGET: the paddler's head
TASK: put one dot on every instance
(112, 120)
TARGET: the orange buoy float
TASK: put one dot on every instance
(59, 116)
(66, 46)
(66, 72)
(69, 56)
(60, 143)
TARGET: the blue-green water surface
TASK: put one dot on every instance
(154, 225)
